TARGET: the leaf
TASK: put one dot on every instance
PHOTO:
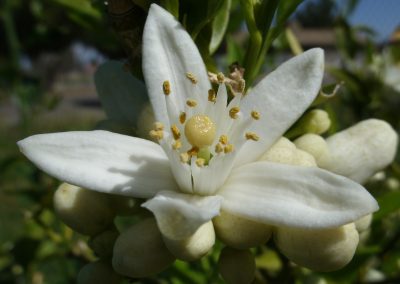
(219, 25)
(171, 6)
(388, 204)
(121, 94)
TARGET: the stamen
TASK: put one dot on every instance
(252, 136)
(255, 115)
(220, 78)
(242, 85)
(157, 134)
(158, 125)
(191, 103)
(177, 144)
(191, 77)
(184, 157)
(175, 132)
(219, 148)
(233, 112)
(212, 96)
(200, 162)
(223, 139)
(166, 88)
(228, 148)
(182, 117)
(193, 151)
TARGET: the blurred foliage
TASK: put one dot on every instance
(35, 247)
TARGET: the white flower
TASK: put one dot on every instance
(222, 171)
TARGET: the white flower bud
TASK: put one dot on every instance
(103, 243)
(315, 121)
(194, 247)
(320, 250)
(99, 272)
(361, 150)
(237, 266)
(363, 223)
(281, 152)
(315, 145)
(285, 152)
(85, 211)
(145, 122)
(140, 251)
(240, 233)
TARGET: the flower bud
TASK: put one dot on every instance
(140, 251)
(320, 250)
(363, 223)
(281, 152)
(99, 272)
(103, 243)
(316, 121)
(194, 247)
(315, 145)
(304, 159)
(85, 211)
(240, 233)
(236, 266)
(361, 150)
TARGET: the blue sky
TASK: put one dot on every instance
(382, 15)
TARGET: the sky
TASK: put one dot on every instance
(382, 15)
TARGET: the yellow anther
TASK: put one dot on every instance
(184, 157)
(166, 88)
(157, 134)
(223, 139)
(212, 96)
(175, 132)
(233, 112)
(252, 136)
(193, 151)
(220, 78)
(158, 126)
(191, 103)
(200, 131)
(219, 148)
(228, 148)
(182, 117)
(177, 145)
(255, 115)
(191, 77)
(200, 162)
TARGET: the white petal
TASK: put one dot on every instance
(168, 54)
(180, 215)
(361, 150)
(102, 161)
(293, 196)
(281, 98)
(122, 95)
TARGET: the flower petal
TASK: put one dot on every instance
(285, 195)
(281, 98)
(180, 215)
(168, 54)
(361, 150)
(122, 95)
(102, 161)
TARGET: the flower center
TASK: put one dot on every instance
(200, 131)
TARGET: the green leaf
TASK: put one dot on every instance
(388, 203)
(171, 6)
(219, 25)
(121, 94)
